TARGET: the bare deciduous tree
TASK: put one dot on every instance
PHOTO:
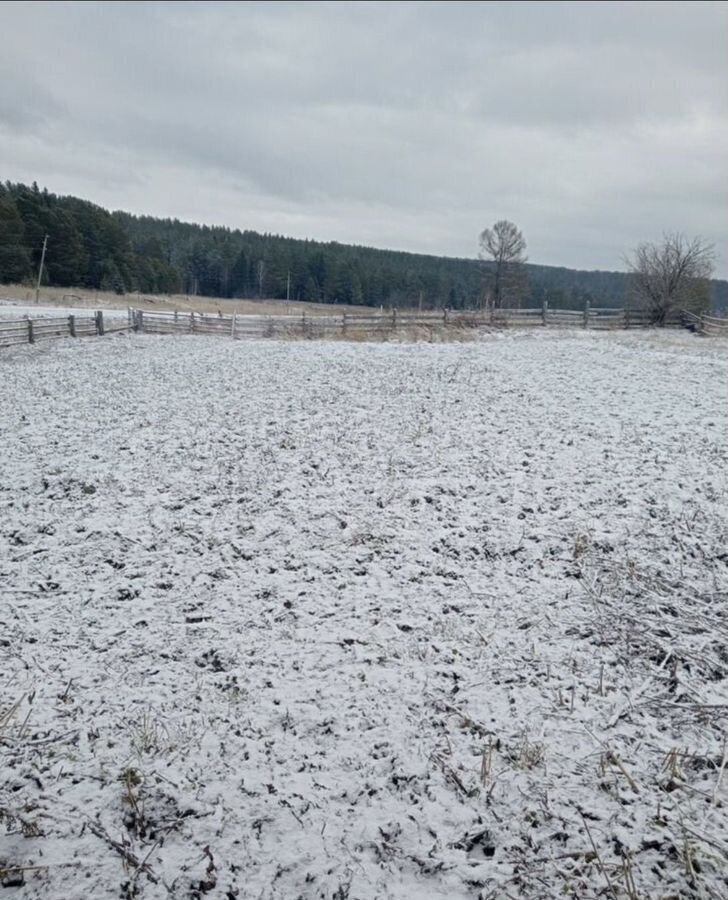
(674, 274)
(503, 249)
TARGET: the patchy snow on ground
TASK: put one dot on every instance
(321, 620)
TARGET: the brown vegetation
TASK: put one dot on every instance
(91, 299)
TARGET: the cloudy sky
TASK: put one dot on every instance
(405, 125)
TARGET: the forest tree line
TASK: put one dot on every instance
(90, 247)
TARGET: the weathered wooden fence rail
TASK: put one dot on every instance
(375, 324)
(714, 326)
(384, 323)
(31, 330)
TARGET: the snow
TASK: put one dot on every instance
(10, 309)
(330, 620)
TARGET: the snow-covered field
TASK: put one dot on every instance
(10, 309)
(315, 620)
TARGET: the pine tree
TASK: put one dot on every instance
(111, 278)
(14, 255)
(66, 256)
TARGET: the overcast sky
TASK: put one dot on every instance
(404, 125)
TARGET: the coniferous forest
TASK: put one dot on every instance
(91, 247)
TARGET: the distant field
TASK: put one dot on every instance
(328, 621)
(82, 298)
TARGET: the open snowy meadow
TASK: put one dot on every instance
(327, 620)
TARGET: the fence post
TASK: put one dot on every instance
(234, 326)
(140, 320)
(343, 324)
(31, 336)
(545, 311)
(192, 321)
(176, 317)
(394, 317)
(586, 313)
(444, 316)
(99, 322)
(72, 326)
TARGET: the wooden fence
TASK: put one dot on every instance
(713, 325)
(381, 324)
(375, 324)
(31, 330)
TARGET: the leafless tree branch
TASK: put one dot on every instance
(503, 249)
(672, 274)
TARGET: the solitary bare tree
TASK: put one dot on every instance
(503, 249)
(674, 274)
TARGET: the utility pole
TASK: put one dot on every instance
(40, 271)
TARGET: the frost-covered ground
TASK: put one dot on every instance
(317, 620)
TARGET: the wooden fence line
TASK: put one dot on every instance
(347, 324)
(29, 330)
(712, 325)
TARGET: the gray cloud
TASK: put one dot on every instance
(410, 125)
